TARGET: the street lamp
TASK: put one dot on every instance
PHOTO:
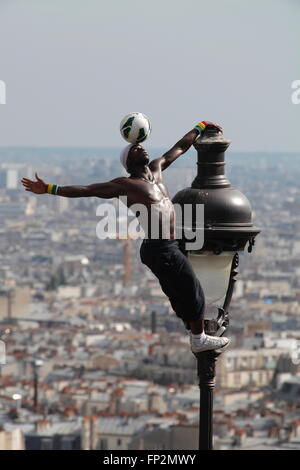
(227, 230)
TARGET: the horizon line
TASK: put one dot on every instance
(119, 147)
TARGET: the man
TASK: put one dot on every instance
(162, 255)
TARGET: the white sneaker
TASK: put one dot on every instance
(210, 343)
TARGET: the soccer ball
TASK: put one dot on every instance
(135, 128)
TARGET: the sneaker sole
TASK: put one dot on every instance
(221, 348)
(225, 346)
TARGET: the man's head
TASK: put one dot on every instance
(133, 157)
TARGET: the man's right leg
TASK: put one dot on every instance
(179, 282)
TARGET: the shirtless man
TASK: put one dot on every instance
(162, 254)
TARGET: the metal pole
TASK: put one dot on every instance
(206, 409)
(206, 365)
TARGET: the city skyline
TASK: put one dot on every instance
(98, 324)
(93, 355)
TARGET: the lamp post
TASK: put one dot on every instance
(227, 230)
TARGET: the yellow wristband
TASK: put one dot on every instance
(200, 126)
(52, 188)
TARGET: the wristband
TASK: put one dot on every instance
(200, 126)
(52, 188)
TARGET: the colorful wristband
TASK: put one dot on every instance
(200, 126)
(52, 188)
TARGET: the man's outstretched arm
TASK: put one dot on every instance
(180, 147)
(107, 190)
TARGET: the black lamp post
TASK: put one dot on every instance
(227, 230)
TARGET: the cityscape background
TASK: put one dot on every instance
(95, 356)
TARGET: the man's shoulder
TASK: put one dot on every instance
(155, 165)
(120, 179)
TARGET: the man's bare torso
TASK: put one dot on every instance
(153, 194)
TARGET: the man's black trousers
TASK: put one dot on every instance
(176, 277)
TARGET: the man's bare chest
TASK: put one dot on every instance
(142, 191)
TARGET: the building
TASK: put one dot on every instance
(11, 440)
(246, 367)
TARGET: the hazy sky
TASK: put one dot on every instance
(73, 69)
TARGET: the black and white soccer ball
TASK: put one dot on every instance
(135, 128)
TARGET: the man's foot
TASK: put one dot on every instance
(210, 343)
